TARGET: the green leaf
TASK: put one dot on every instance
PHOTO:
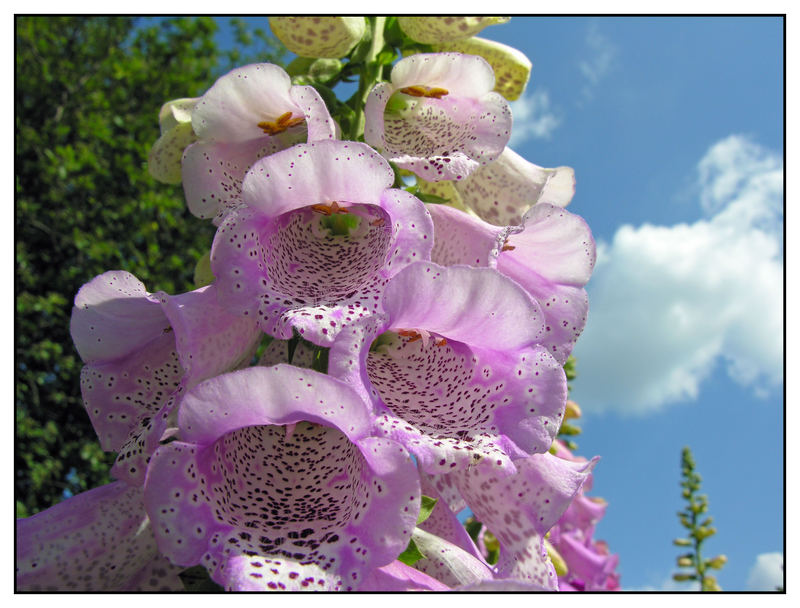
(300, 66)
(323, 70)
(411, 555)
(197, 580)
(426, 508)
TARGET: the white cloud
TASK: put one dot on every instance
(533, 118)
(667, 585)
(602, 54)
(668, 303)
(766, 574)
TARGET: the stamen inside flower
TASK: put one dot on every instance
(283, 122)
(329, 209)
(419, 90)
(507, 247)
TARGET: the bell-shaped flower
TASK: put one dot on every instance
(512, 69)
(249, 113)
(433, 30)
(175, 122)
(321, 234)
(551, 255)
(589, 564)
(502, 192)
(398, 576)
(100, 540)
(455, 368)
(277, 483)
(327, 37)
(520, 509)
(141, 352)
(438, 117)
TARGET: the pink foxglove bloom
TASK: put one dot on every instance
(520, 509)
(249, 113)
(455, 369)
(398, 576)
(100, 540)
(551, 255)
(277, 483)
(438, 117)
(503, 191)
(590, 565)
(281, 260)
(142, 351)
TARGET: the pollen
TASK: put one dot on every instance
(507, 247)
(329, 209)
(419, 90)
(283, 122)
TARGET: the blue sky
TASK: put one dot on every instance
(674, 127)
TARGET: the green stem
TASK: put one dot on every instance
(369, 76)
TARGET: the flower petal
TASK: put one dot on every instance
(477, 306)
(99, 540)
(432, 30)
(329, 37)
(397, 576)
(233, 107)
(268, 507)
(314, 173)
(520, 509)
(512, 69)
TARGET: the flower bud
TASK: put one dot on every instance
(573, 410)
(680, 577)
(710, 584)
(717, 562)
(175, 122)
(685, 562)
(328, 37)
(682, 542)
(437, 30)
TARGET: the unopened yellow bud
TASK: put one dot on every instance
(710, 584)
(682, 542)
(175, 122)
(680, 577)
(572, 410)
(328, 37)
(438, 30)
(685, 562)
(717, 562)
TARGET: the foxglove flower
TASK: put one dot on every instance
(438, 117)
(433, 30)
(456, 373)
(99, 540)
(589, 564)
(551, 255)
(502, 192)
(512, 69)
(328, 37)
(142, 351)
(397, 576)
(249, 113)
(520, 509)
(321, 234)
(277, 483)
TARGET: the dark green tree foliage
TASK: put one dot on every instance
(88, 92)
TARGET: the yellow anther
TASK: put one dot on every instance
(507, 247)
(441, 341)
(329, 209)
(419, 90)
(377, 222)
(283, 122)
(410, 333)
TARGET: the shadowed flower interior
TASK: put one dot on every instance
(318, 256)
